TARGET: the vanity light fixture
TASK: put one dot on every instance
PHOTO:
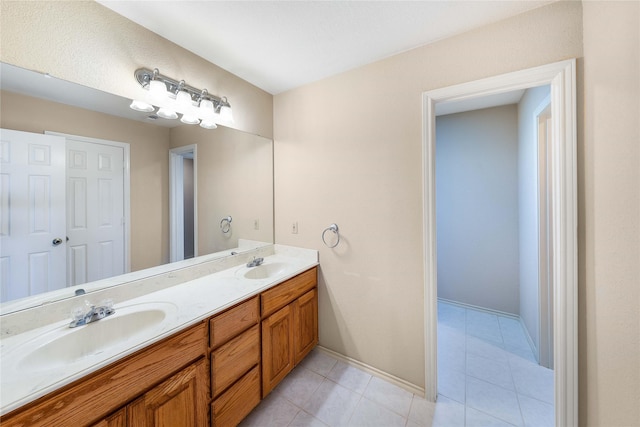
(173, 97)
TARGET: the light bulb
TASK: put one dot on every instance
(183, 100)
(226, 114)
(189, 119)
(157, 90)
(138, 105)
(165, 113)
(208, 124)
(206, 109)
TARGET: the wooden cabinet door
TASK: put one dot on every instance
(182, 400)
(277, 348)
(119, 419)
(305, 324)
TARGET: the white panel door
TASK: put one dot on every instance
(95, 211)
(32, 215)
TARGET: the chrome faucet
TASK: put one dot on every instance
(93, 313)
(256, 262)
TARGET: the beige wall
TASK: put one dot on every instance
(348, 150)
(609, 216)
(149, 146)
(477, 208)
(86, 43)
(235, 177)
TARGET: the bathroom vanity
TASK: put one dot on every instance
(248, 328)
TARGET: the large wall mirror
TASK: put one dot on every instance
(227, 208)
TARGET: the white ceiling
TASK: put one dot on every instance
(280, 45)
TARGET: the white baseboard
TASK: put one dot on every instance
(534, 349)
(410, 387)
(478, 308)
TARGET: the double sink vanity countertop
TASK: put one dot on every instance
(39, 361)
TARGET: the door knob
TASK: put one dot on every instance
(56, 241)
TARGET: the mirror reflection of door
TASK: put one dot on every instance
(63, 211)
(183, 216)
(95, 210)
(32, 215)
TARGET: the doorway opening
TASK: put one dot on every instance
(488, 239)
(562, 189)
(183, 172)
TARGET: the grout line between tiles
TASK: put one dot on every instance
(509, 366)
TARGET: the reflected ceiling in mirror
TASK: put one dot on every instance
(234, 171)
(43, 86)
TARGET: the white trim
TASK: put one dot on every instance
(412, 388)
(481, 309)
(127, 187)
(561, 77)
(543, 315)
(429, 248)
(540, 108)
(176, 207)
(176, 212)
(528, 336)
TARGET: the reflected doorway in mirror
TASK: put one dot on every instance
(183, 172)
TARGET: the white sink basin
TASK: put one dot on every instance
(266, 271)
(127, 327)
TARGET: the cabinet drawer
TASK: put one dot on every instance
(283, 294)
(232, 360)
(227, 325)
(236, 403)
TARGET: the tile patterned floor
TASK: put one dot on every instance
(487, 373)
(487, 376)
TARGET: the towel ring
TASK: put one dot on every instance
(333, 228)
(225, 224)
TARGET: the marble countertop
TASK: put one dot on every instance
(24, 378)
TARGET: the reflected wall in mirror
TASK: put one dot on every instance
(234, 168)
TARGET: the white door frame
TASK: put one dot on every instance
(545, 317)
(176, 206)
(561, 77)
(127, 187)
